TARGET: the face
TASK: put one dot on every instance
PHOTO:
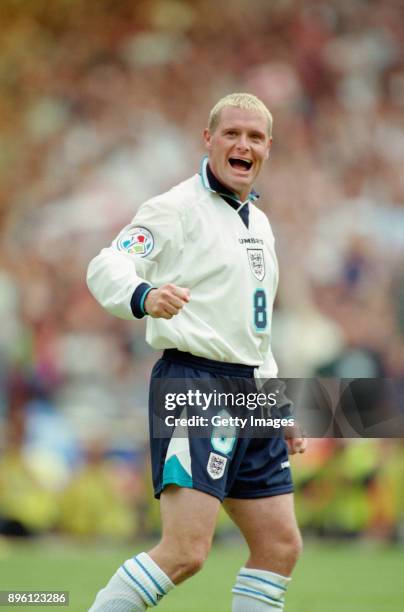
(238, 147)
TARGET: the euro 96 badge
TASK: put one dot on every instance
(136, 241)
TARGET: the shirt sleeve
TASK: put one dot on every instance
(140, 258)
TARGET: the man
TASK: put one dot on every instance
(200, 261)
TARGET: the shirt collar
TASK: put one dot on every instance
(213, 184)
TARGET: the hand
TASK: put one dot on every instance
(295, 439)
(166, 301)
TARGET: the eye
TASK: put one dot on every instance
(231, 133)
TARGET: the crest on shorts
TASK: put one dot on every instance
(257, 262)
(216, 466)
(136, 241)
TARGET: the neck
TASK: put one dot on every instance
(218, 186)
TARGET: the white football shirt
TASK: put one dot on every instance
(192, 237)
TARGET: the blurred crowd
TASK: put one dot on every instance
(102, 105)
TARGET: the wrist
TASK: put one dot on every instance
(138, 299)
(145, 304)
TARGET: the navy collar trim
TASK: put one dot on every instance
(211, 183)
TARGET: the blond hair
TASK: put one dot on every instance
(240, 100)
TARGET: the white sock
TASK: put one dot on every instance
(138, 584)
(259, 591)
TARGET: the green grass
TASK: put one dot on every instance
(344, 577)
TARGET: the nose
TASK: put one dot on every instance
(242, 143)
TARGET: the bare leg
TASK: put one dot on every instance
(188, 522)
(270, 529)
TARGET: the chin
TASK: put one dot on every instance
(243, 185)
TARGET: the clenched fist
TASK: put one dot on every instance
(166, 301)
(295, 439)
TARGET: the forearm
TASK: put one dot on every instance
(113, 281)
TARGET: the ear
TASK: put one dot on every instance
(207, 137)
(268, 148)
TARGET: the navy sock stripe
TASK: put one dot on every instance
(145, 591)
(148, 574)
(242, 591)
(278, 586)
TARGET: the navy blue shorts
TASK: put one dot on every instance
(242, 468)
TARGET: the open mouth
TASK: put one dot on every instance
(240, 164)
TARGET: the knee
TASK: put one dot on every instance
(279, 553)
(294, 544)
(193, 561)
(188, 559)
(290, 546)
